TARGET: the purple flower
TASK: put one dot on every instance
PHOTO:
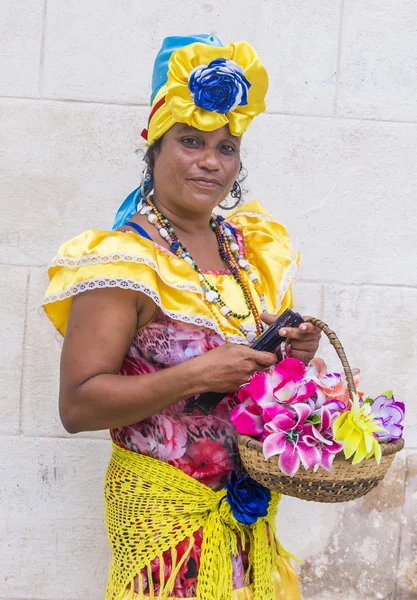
(335, 406)
(220, 86)
(389, 413)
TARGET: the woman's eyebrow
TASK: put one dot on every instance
(187, 129)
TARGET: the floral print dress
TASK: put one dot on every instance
(202, 446)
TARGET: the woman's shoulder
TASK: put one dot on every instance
(269, 249)
(96, 245)
(260, 230)
(252, 216)
(97, 259)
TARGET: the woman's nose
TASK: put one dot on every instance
(209, 159)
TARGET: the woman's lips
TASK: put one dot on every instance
(206, 183)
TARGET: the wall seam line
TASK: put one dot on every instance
(338, 57)
(22, 372)
(74, 438)
(75, 101)
(348, 284)
(42, 48)
(23, 266)
(400, 536)
(322, 300)
(330, 117)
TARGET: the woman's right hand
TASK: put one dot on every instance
(93, 395)
(229, 366)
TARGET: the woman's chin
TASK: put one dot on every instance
(204, 205)
(205, 200)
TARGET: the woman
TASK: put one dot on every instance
(175, 294)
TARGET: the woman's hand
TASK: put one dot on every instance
(303, 341)
(229, 366)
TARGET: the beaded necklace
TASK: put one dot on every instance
(229, 252)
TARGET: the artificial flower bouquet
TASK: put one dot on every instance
(294, 421)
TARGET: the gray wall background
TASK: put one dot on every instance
(334, 158)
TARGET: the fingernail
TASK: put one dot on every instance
(283, 332)
(303, 327)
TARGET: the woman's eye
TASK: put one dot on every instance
(227, 149)
(190, 141)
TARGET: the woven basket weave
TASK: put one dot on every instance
(345, 482)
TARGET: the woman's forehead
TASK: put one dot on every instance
(222, 132)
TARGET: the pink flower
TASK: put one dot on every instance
(206, 461)
(267, 394)
(164, 437)
(287, 439)
(321, 435)
(330, 386)
(175, 438)
(296, 439)
(247, 418)
(284, 383)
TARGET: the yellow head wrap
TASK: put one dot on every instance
(174, 102)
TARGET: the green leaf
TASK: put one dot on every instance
(314, 419)
(388, 394)
(368, 400)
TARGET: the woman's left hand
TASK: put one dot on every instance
(302, 341)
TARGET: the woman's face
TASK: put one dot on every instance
(195, 170)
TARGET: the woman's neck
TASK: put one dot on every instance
(183, 221)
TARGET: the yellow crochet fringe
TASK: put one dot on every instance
(151, 507)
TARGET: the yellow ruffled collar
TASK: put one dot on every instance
(115, 259)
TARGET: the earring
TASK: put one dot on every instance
(146, 187)
(235, 193)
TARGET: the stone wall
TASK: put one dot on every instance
(334, 158)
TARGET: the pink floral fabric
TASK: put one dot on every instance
(202, 446)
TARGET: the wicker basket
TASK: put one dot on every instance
(345, 482)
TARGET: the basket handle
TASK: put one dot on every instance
(335, 342)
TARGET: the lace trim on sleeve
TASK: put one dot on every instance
(129, 284)
(288, 279)
(96, 259)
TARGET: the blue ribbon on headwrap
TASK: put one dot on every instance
(159, 78)
(127, 208)
(169, 45)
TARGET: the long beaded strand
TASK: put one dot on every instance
(237, 265)
(224, 247)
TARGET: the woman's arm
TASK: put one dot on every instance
(100, 331)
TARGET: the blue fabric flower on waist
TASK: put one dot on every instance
(247, 498)
(220, 86)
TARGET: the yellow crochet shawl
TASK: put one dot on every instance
(151, 507)
(98, 259)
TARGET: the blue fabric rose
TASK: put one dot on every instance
(220, 86)
(247, 498)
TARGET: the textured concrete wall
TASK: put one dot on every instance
(334, 158)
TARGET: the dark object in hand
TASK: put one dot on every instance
(268, 341)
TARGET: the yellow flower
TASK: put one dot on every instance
(356, 427)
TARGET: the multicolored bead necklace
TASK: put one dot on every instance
(229, 251)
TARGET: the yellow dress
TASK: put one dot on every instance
(97, 259)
